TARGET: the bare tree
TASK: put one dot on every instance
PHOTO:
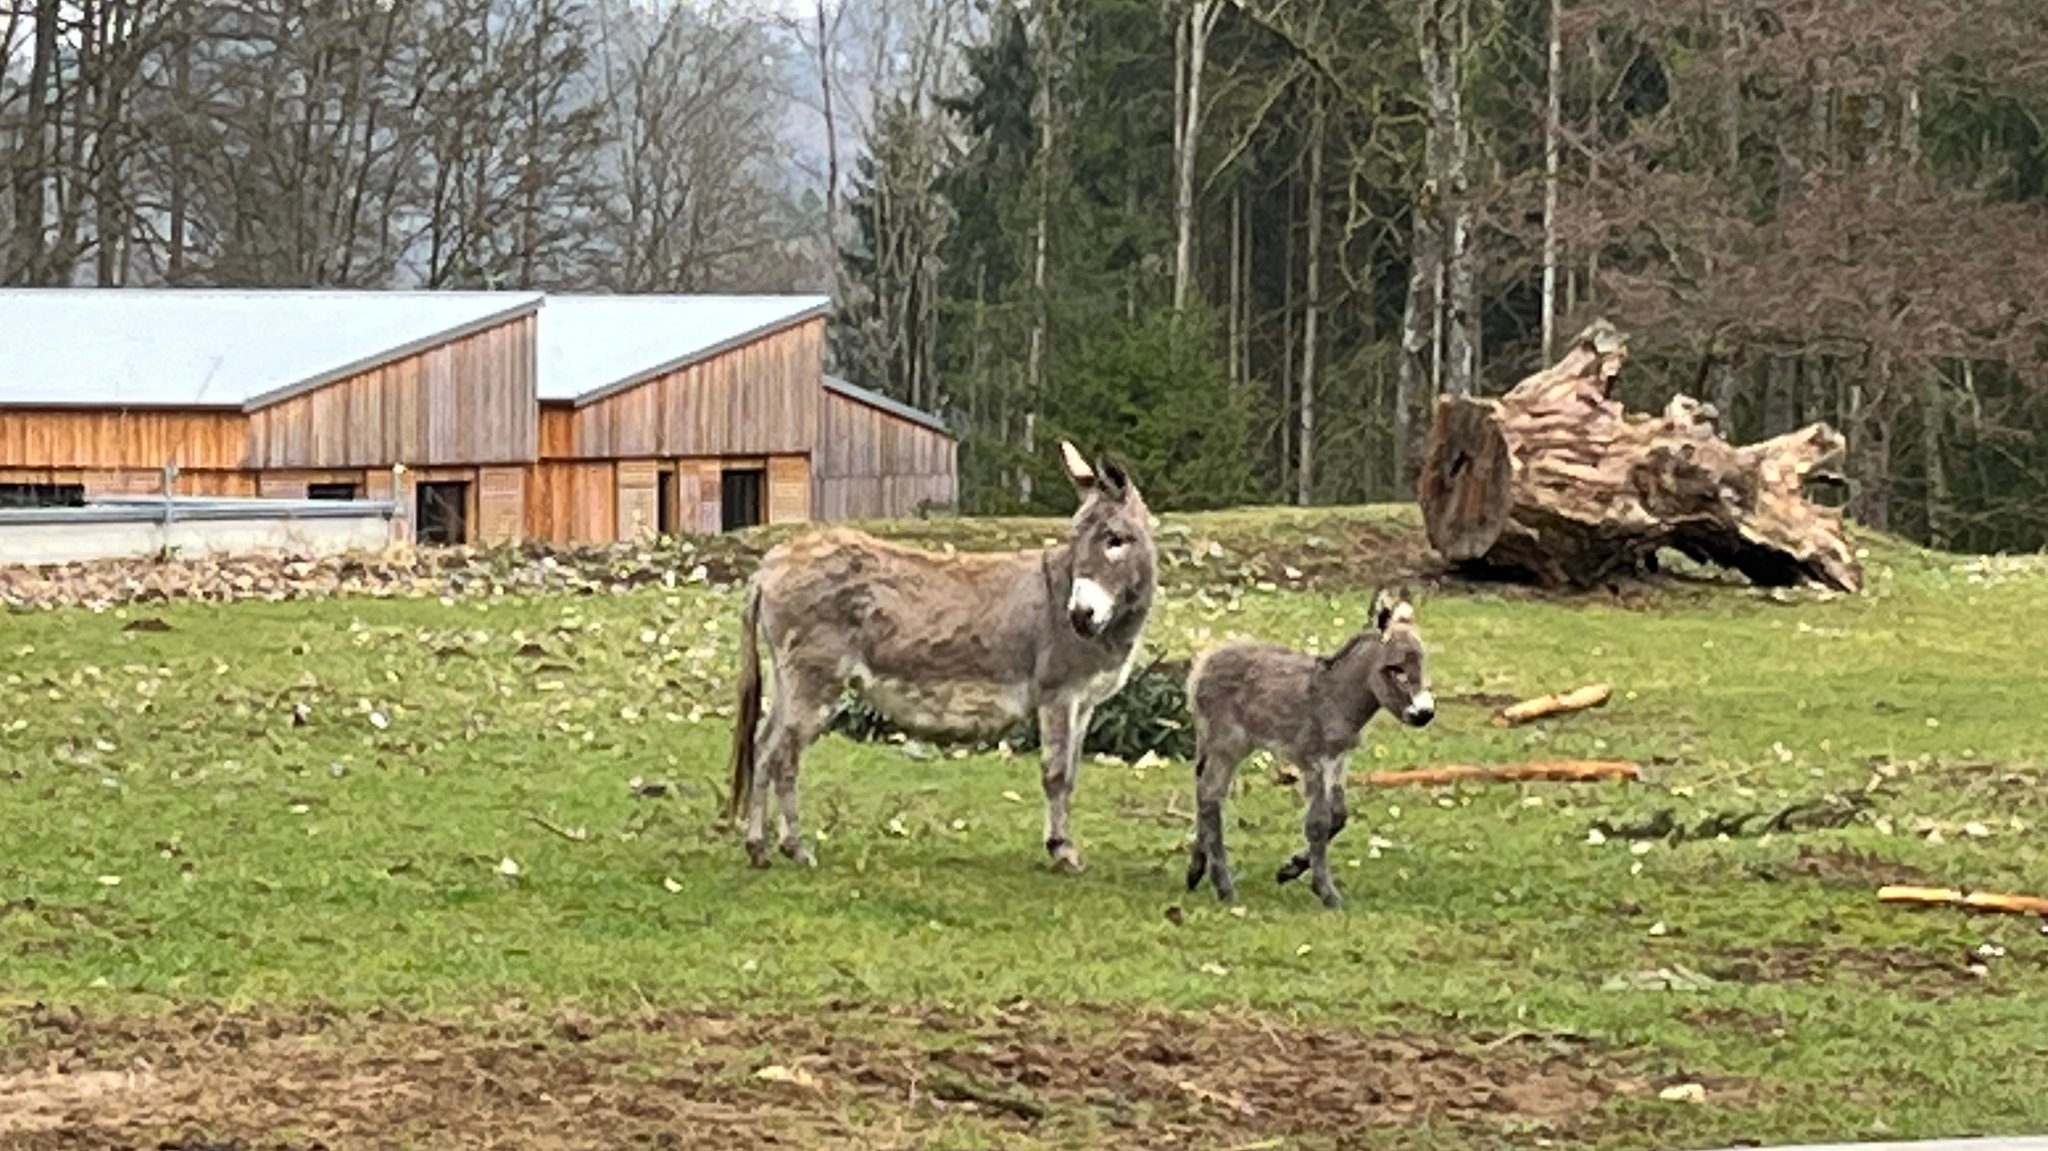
(695, 198)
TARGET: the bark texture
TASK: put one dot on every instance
(1557, 483)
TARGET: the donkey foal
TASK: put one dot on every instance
(1304, 708)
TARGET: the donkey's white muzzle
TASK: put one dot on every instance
(1420, 710)
(1089, 607)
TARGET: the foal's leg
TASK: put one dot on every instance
(1326, 816)
(1062, 726)
(1216, 762)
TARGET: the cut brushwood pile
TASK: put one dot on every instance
(1559, 771)
(1557, 483)
(1530, 710)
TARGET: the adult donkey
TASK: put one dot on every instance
(944, 644)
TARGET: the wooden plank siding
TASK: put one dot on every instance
(107, 439)
(760, 398)
(469, 401)
(570, 502)
(446, 413)
(789, 490)
(99, 482)
(872, 464)
(501, 505)
(601, 466)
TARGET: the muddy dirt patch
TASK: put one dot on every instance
(1922, 971)
(207, 1078)
(1847, 867)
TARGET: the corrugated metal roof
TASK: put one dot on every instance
(204, 347)
(894, 407)
(592, 345)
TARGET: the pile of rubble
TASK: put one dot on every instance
(405, 572)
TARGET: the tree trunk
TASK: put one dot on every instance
(1870, 446)
(1305, 489)
(181, 103)
(831, 134)
(1443, 42)
(1556, 482)
(36, 153)
(1236, 319)
(1287, 346)
(1553, 132)
(1418, 355)
(1187, 137)
(1778, 398)
(1040, 317)
(1932, 428)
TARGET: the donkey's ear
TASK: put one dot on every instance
(1116, 478)
(1382, 610)
(1077, 467)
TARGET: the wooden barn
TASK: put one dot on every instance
(309, 394)
(675, 414)
(879, 458)
(515, 415)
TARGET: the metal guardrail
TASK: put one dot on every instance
(157, 510)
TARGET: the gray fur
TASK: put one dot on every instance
(959, 644)
(1307, 709)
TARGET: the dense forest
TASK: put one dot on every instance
(1246, 242)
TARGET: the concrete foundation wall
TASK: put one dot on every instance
(122, 529)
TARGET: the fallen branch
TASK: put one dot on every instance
(1561, 770)
(1592, 695)
(1823, 813)
(1973, 900)
(573, 835)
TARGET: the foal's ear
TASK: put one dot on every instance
(1116, 477)
(1390, 608)
(1077, 467)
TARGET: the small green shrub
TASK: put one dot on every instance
(1150, 714)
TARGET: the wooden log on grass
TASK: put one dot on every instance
(1592, 695)
(1559, 771)
(1557, 483)
(1972, 900)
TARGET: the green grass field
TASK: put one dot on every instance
(426, 872)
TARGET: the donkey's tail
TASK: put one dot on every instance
(747, 716)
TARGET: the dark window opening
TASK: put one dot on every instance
(334, 491)
(42, 495)
(665, 503)
(441, 512)
(739, 498)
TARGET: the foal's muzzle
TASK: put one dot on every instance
(1420, 710)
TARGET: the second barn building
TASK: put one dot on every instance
(691, 414)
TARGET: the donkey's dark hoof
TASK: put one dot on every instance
(797, 853)
(1291, 870)
(1331, 900)
(757, 853)
(1198, 868)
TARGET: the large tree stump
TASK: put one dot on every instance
(1555, 482)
